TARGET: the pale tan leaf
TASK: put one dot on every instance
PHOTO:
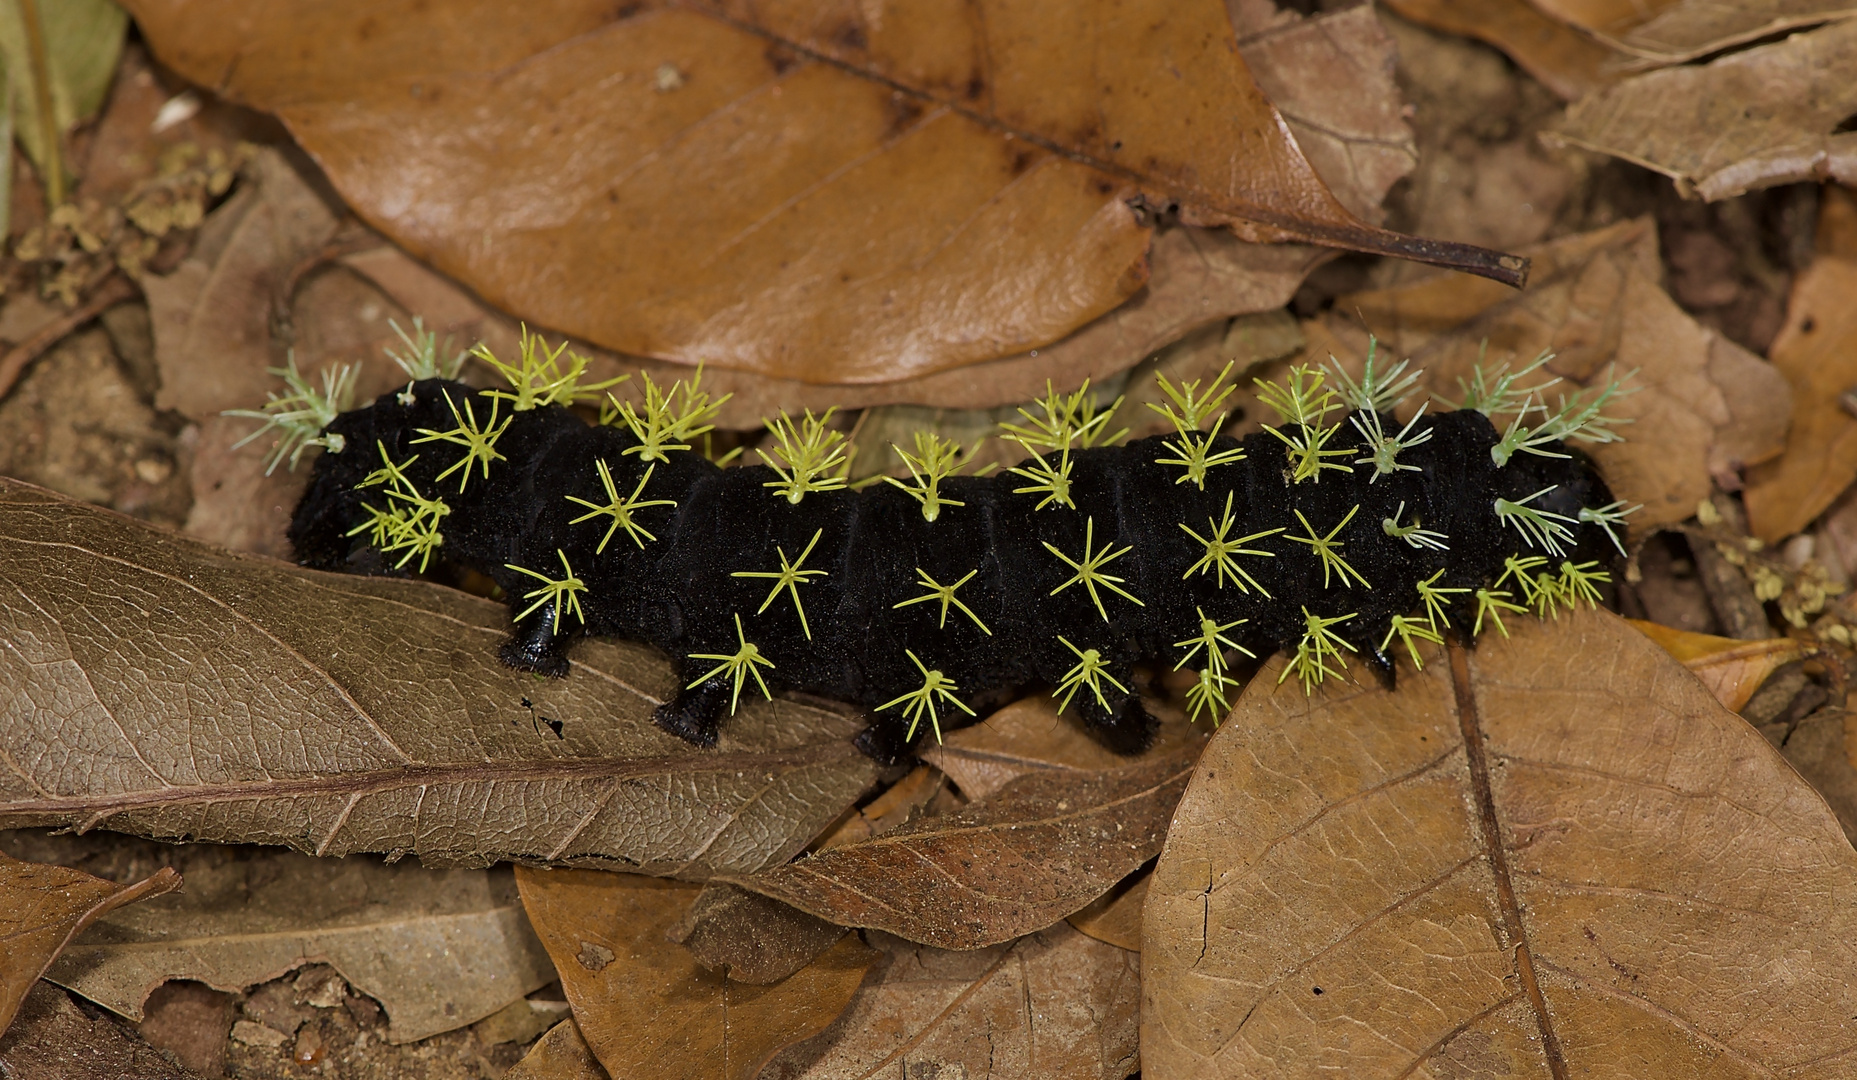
(1556, 855)
(439, 949)
(1115, 916)
(1705, 407)
(1732, 669)
(1054, 1004)
(644, 1005)
(166, 688)
(1769, 115)
(42, 908)
(1817, 352)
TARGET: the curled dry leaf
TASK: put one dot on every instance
(562, 1054)
(751, 938)
(352, 714)
(1672, 31)
(830, 198)
(439, 949)
(1705, 407)
(1052, 1004)
(1563, 59)
(1115, 916)
(1557, 855)
(43, 907)
(1817, 352)
(1041, 847)
(1030, 736)
(1732, 669)
(645, 1006)
(1769, 115)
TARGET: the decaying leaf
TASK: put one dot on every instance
(562, 1054)
(844, 198)
(43, 907)
(1563, 59)
(1732, 669)
(68, 47)
(350, 714)
(1673, 31)
(1817, 352)
(1555, 855)
(439, 949)
(1053, 1004)
(1705, 406)
(1029, 736)
(1041, 847)
(1769, 115)
(645, 1006)
(56, 1038)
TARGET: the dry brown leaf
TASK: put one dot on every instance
(439, 949)
(1706, 406)
(899, 803)
(1817, 352)
(1115, 916)
(644, 1005)
(1732, 669)
(1054, 1004)
(828, 196)
(562, 1054)
(1672, 31)
(349, 714)
(1769, 115)
(1039, 849)
(751, 938)
(1029, 736)
(1563, 59)
(1556, 855)
(1837, 223)
(42, 908)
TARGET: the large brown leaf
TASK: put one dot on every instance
(1769, 115)
(43, 907)
(646, 1007)
(1817, 352)
(1704, 407)
(1040, 848)
(1053, 1004)
(159, 686)
(842, 194)
(1557, 855)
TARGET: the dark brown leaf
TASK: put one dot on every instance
(1556, 855)
(1030, 736)
(1040, 848)
(349, 714)
(751, 938)
(43, 907)
(645, 1006)
(57, 1038)
(827, 196)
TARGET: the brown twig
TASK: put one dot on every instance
(114, 290)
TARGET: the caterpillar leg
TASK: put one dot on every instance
(695, 714)
(534, 646)
(885, 741)
(1128, 730)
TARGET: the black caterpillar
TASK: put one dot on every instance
(1337, 532)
